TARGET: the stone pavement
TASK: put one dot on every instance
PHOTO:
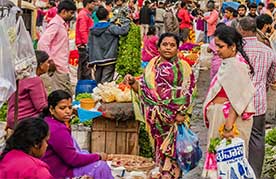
(197, 124)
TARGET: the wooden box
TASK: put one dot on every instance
(115, 137)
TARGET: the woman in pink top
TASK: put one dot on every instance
(20, 158)
(32, 97)
(150, 45)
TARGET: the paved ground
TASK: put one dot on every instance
(197, 124)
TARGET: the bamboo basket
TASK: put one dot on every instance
(131, 162)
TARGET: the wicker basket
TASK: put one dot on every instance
(131, 162)
(87, 103)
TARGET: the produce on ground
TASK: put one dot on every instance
(269, 167)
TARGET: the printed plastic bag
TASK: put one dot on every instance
(188, 151)
(7, 76)
(232, 162)
(25, 59)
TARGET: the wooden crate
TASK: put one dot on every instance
(115, 137)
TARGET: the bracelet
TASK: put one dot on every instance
(228, 130)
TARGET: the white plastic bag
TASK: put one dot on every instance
(25, 59)
(7, 74)
(232, 162)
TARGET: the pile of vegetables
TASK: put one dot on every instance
(129, 53)
(145, 148)
(3, 112)
(83, 95)
(76, 120)
(269, 168)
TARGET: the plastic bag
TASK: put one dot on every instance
(10, 24)
(7, 73)
(25, 59)
(188, 151)
(231, 160)
(210, 166)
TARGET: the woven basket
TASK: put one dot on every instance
(87, 103)
(137, 163)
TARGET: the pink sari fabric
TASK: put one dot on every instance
(97, 170)
(150, 49)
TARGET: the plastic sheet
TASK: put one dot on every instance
(7, 73)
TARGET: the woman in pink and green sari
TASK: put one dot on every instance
(165, 92)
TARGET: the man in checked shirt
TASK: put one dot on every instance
(263, 61)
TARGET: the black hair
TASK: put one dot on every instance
(53, 99)
(152, 30)
(253, 5)
(232, 10)
(28, 133)
(108, 2)
(85, 2)
(263, 19)
(183, 4)
(242, 6)
(52, 3)
(146, 3)
(220, 24)
(270, 6)
(102, 13)
(123, 1)
(230, 36)
(168, 34)
(211, 4)
(41, 57)
(261, 4)
(67, 5)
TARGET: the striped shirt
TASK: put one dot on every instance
(263, 61)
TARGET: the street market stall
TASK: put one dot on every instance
(114, 129)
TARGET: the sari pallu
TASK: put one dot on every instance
(233, 76)
(166, 89)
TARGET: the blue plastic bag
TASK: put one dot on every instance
(188, 151)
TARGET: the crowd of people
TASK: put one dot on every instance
(242, 40)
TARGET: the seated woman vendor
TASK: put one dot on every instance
(63, 155)
(20, 157)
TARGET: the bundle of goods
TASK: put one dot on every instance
(189, 52)
(110, 92)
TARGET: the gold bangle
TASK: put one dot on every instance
(228, 130)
